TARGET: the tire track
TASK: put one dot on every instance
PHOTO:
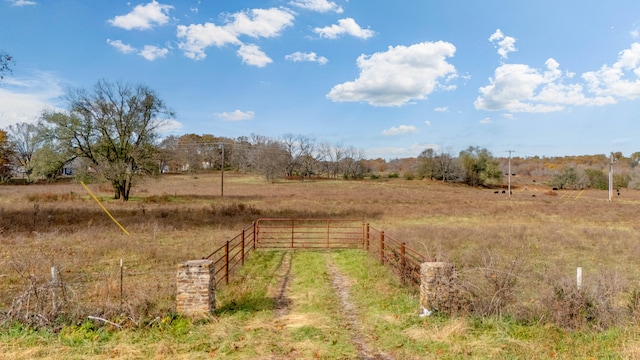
(342, 287)
(282, 302)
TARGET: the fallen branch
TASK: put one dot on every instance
(105, 320)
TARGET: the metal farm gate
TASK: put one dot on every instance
(280, 234)
(309, 233)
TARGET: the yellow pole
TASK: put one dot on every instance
(105, 209)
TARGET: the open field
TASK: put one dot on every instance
(182, 217)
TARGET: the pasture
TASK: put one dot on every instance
(536, 242)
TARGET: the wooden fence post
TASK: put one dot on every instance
(255, 235)
(382, 247)
(366, 237)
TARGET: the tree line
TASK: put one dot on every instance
(112, 133)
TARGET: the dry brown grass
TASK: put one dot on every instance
(182, 217)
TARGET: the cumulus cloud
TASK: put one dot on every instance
(198, 37)
(151, 52)
(24, 99)
(622, 79)
(441, 109)
(521, 88)
(143, 17)
(236, 115)
(486, 121)
(310, 56)
(22, 2)
(427, 122)
(121, 47)
(252, 55)
(399, 75)
(255, 23)
(505, 44)
(318, 5)
(345, 26)
(402, 129)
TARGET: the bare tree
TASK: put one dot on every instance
(114, 127)
(351, 164)
(448, 168)
(269, 157)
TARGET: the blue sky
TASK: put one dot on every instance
(547, 78)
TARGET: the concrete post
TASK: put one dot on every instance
(196, 286)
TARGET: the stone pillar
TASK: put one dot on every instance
(196, 285)
(437, 287)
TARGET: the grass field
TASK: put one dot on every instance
(537, 240)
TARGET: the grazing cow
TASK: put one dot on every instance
(555, 188)
(496, 192)
(534, 195)
(504, 191)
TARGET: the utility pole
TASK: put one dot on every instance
(509, 175)
(222, 173)
(613, 160)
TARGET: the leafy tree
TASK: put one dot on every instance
(565, 178)
(6, 153)
(480, 167)
(48, 161)
(427, 164)
(597, 179)
(114, 127)
(634, 159)
(26, 139)
(6, 61)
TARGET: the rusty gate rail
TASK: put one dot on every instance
(233, 252)
(403, 259)
(309, 233)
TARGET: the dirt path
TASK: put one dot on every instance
(342, 286)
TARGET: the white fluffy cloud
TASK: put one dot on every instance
(151, 52)
(622, 79)
(345, 26)
(143, 17)
(24, 99)
(310, 56)
(121, 47)
(520, 88)
(402, 129)
(399, 75)
(255, 23)
(236, 115)
(505, 44)
(252, 55)
(318, 5)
